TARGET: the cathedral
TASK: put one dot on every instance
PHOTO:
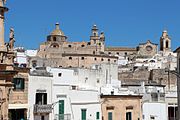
(57, 51)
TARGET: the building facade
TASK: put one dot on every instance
(121, 107)
(57, 51)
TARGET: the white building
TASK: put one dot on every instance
(21, 59)
(76, 91)
(40, 95)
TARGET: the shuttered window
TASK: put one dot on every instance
(83, 114)
(110, 117)
(97, 116)
(61, 109)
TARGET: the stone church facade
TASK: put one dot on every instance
(57, 51)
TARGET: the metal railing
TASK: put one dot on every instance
(42, 108)
(63, 117)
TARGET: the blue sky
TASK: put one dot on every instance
(124, 22)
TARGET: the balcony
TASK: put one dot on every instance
(42, 108)
(63, 117)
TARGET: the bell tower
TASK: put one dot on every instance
(2, 11)
(94, 38)
(165, 42)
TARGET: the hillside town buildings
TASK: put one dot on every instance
(64, 80)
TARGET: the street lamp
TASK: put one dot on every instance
(173, 72)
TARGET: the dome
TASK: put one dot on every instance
(57, 31)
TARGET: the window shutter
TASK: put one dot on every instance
(97, 115)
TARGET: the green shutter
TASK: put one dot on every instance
(61, 109)
(109, 115)
(83, 114)
(97, 115)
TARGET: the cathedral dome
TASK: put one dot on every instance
(57, 31)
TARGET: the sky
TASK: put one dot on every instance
(126, 23)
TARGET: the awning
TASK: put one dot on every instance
(18, 106)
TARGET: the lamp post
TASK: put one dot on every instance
(178, 88)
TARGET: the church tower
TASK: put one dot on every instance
(94, 38)
(2, 11)
(165, 42)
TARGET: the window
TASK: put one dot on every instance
(70, 58)
(41, 98)
(82, 45)
(128, 115)
(109, 53)
(69, 46)
(149, 48)
(59, 74)
(97, 116)
(167, 44)
(152, 117)
(61, 109)
(108, 60)
(95, 58)
(114, 60)
(154, 96)
(94, 41)
(93, 52)
(82, 58)
(54, 38)
(94, 34)
(34, 63)
(102, 59)
(23, 65)
(73, 87)
(117, 53)
(42, 117)
(83, 114)
(110, 117)
(18, 83)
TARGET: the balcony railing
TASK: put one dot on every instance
(63, 117)
(42, 108)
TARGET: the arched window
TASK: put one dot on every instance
(54, 38)
(167, 44)
(34, 63)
